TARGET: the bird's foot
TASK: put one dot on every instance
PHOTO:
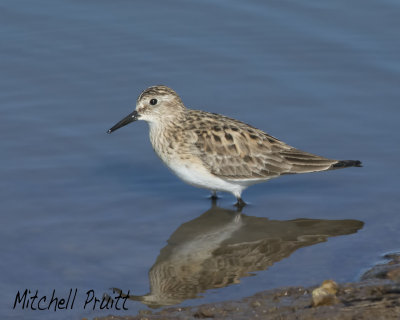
(240, 203)
(214, 196)
(214, 199)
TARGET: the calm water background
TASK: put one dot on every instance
(80, 208)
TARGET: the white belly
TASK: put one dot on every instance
(199, 176)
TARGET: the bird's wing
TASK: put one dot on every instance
(233, 150)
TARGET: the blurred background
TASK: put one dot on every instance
(83, 209)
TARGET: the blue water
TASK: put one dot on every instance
(83, 209)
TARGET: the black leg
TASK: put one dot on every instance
(240, 203)
(214, 198)
(214, 195)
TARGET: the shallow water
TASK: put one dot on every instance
(83, 209)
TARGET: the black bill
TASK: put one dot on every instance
(128, 119)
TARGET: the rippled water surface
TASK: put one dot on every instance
(83, 209)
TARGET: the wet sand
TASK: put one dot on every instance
(375, 296)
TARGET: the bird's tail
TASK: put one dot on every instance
(302, 162)
(345, 164)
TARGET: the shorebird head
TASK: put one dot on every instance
(155, 104)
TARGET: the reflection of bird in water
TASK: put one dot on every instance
(222, 246)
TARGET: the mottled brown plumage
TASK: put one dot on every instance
(234, 150)
(212, 151)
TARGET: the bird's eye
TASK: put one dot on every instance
(153, 102)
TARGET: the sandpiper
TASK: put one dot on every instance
(214, 152)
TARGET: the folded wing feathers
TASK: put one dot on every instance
(236, 150)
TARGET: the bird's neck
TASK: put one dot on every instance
(160, 131)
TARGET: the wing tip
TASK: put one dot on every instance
(346, 163)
